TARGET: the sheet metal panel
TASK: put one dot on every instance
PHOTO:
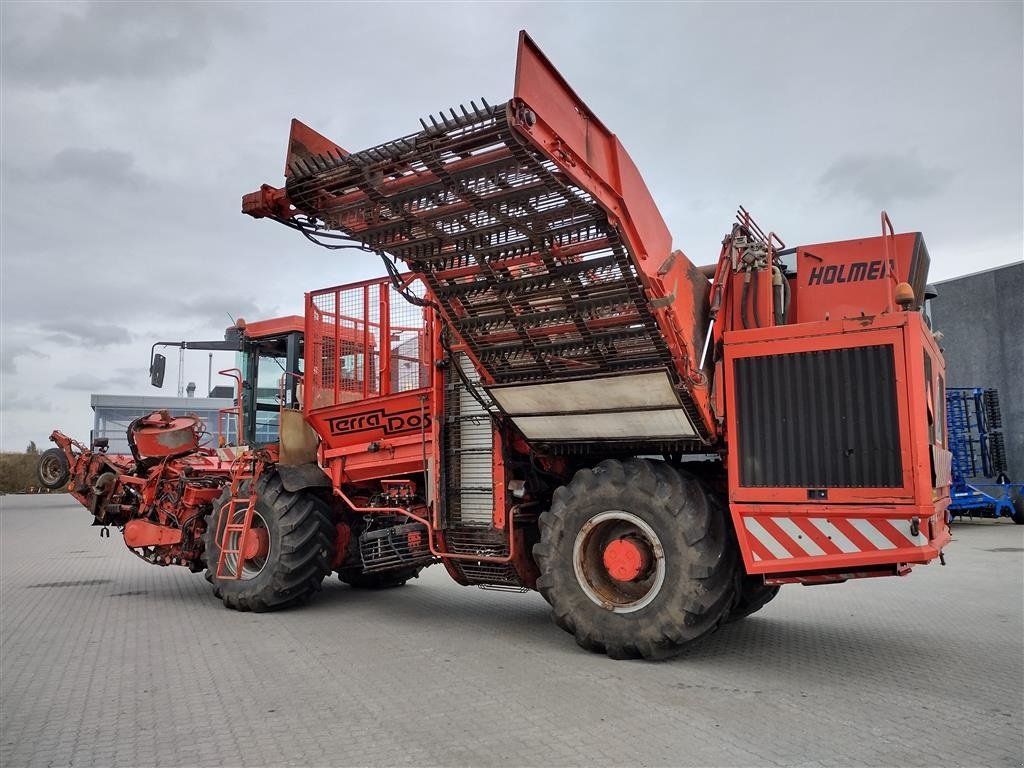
(632, 425)
(652, 389)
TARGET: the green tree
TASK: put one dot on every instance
(32, 448)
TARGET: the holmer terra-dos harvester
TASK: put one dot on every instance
(543, 394)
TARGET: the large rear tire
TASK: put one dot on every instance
(636, 559)
(299, 544)
(1018, 509)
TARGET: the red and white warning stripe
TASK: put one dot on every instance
(779, 538)
(230, 453)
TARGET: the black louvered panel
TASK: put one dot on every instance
(920, 262)
(824, 419)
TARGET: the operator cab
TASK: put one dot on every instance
(269, 364)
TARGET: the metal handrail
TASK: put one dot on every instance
(236, 374)
(888, 255)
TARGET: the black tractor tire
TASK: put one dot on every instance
(1018, 509)
(697, 581)
(52, 469)
(301, 544)
(384, 580)
(752, 595)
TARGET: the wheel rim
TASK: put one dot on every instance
(50, 470)
(251, 566)
(619, 561)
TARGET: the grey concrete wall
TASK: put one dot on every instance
(981, 317)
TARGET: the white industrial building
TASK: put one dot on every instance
(113, 413)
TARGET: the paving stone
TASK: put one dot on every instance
(109, 661)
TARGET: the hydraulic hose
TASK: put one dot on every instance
(132, 447)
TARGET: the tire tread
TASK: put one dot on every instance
(689, 507)
(303, 558)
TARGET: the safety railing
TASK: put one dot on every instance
(364, 340)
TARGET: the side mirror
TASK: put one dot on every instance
(156, 370)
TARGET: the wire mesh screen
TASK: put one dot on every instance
(364, 341)
(409, 348)
(364, 355)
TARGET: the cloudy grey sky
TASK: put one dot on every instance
(130, 133)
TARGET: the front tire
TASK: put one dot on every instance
(52, 469)
(299, 538)
(636, 559)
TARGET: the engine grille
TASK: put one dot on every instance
(399, 546)
(821, 419)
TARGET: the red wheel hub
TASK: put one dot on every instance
(257, 543)
(626, 559)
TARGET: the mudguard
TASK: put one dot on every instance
(301, 476)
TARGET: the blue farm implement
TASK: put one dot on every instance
(975, 426)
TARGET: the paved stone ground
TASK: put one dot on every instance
(109, 661)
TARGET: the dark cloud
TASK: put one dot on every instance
(87, 333)
(218, 311)
(98, 167)
(84, 382)
(10, 352)
(15, 402)
(62, 339)
(129, 378)
(117, 380)
(110, 41)
(881, 179)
